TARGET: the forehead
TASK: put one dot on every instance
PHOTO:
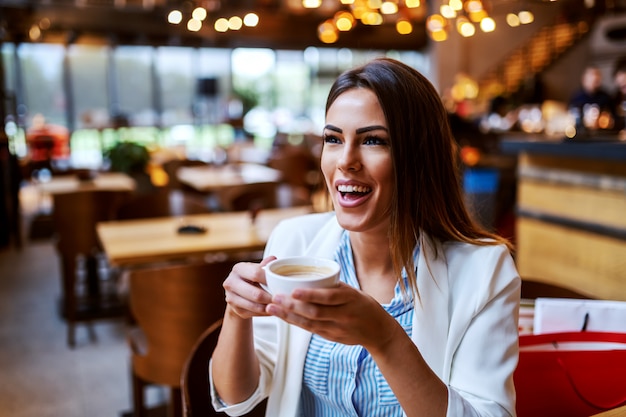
(357, 105)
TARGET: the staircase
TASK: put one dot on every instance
(542, 49)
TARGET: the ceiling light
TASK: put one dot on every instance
(389, 7)
(199, 13)
(175, 17)
(404, 27)
(251, 20)
(221, 25)
(311, 4)
(194, 25)
(512, 20)
(525, 17)
(487, 24)
(235, 23)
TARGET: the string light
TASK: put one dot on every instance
(222, 24)
(466, 16)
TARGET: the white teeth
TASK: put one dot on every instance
(353, 189)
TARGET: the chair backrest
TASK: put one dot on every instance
(161, 203)
(75, 215)
(532, 289)
(250, 196)
(194, 384)
(300, 168)
(173, 305)
(171, 166)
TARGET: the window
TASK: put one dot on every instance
(42, 78)
(88, 69)
(132, 102)
(175, 68)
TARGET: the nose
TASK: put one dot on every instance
(350, 159)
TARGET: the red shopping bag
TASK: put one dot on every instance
(574, 374)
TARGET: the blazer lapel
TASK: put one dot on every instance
(430, 319)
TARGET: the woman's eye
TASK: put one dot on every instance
(375, 140)
(331, 139)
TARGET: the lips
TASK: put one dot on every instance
(352, 194)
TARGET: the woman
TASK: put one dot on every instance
(424, 322)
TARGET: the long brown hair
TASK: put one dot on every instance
(428, 196)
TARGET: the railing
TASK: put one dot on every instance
(544, 48)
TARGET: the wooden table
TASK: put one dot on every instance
(215, 178)
(113, 181)
(135, 242)
(616, 412)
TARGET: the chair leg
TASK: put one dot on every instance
(92, 332)
(71, 339)
(138, 387)
(68, 269)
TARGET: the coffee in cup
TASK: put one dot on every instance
(286, 274)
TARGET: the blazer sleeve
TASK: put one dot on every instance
(292, 237)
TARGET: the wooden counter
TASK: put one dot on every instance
(571, 214)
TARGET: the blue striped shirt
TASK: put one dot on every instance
(343, 380)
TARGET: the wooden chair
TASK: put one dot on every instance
(161, 203)
(171, 166)
(75, 215)
(172, 306)
(194, 383)
(532, 289)
(300, 171)
(249, 197)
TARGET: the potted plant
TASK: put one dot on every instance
(131, 158)
(128, 157)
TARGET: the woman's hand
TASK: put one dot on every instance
(342, 314)
(244, 294)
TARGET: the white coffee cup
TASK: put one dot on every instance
(286, 274)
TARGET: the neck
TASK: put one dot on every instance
(374, 269)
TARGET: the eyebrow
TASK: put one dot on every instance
(359, 130)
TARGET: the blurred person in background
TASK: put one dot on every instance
(48, 144)
(592, 104)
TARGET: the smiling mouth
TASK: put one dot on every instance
(353, 191)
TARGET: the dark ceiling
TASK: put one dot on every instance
(105, 21)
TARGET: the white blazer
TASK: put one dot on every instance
(466, 326)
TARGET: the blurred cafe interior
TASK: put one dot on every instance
(144, 139)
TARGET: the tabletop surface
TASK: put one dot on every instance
(132, 242)
(616, 412)
(113, 181)
(212, 177)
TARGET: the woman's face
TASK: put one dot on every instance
(356, 161)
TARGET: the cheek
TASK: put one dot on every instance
(383, 170)
(327, 163)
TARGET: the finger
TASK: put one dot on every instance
(298, 312)
(267, 260)
(244, 288)
(336, 296)
(252, 271)
(244, 307)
